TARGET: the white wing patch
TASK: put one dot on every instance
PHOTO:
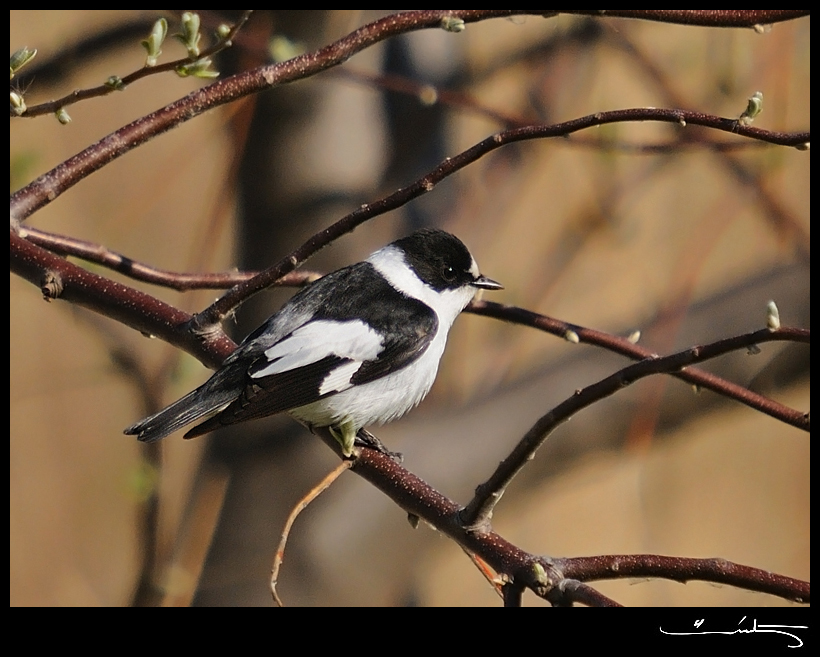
(338, 379)
(316, 340)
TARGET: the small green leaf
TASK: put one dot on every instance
(190, 34)
(19, 59)
(201, 68)
(153, 43)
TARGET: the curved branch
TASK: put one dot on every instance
(681, 569)
(177, 327)
(228, 302)
(47, 187)
(50, 185)
(556, 580)
(478, 512)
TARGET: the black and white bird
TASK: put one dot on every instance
(359, 346)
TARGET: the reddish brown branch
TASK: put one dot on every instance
(47, 187)
(145, 313)
(229, 301)
(60, 279)
(624, 347)
(681, 569)
(557, 580)
(703, 17)
(478, 512)
(173, 325)
(50, 185)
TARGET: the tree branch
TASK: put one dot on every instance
(60, 279)
(239, 294)
(477, 513)
(626, 348)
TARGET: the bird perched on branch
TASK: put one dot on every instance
(359, 346)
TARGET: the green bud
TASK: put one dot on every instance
(539, 573)
(452, 24)
(772, 316)
(115, 82)
(753, 107)
(16, 103)
(62, 116)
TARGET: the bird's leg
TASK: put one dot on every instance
(345, 435)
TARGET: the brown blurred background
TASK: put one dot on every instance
(686, 242)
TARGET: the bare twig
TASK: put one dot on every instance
(133, 308)
(50, 185)
(704, 17)
(153, 317)
(624, 347)
(554, 579)
(317, 490)
(139, 271)
(570, 591)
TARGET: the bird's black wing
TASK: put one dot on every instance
(361, 330)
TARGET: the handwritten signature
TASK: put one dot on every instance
(754, 629)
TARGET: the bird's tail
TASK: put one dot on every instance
(199, 403)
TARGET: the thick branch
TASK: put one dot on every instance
(681, 569)
(60, 279)
(703, 17)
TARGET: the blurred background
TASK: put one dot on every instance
(679, 232)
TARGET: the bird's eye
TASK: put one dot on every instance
(448, 273)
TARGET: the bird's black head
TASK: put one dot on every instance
(442, 261)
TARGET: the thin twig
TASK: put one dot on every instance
(301, 505)
(570, 591)
(624, 347)
(104, 89)
(102, 255)
(124, 304)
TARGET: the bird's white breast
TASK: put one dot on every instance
(382, 400)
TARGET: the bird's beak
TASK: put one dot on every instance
(487, 283)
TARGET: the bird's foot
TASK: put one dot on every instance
(369, 440)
